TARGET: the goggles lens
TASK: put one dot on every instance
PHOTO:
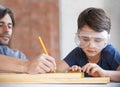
(96, 40)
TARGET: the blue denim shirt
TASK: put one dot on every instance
(5, 50)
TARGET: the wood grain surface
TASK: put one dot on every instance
(7, 78)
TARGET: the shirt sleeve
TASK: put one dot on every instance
(22, 56)
(113, 56)
(5, 50)
(73, 57)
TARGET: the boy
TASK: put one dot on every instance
(94, 55)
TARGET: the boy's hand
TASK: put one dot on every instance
(90, 68)
(75, 68)
(93, 70)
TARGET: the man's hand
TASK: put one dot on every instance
(41, 64)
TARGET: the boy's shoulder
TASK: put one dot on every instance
(110, 48)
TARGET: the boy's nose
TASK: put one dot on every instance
(92, 44)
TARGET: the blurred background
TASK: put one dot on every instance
(56, 22)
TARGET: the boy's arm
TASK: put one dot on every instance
(114, 75)
(62, 66)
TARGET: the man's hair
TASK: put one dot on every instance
(4, 11)
(95, 18)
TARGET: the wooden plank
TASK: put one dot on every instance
(50, 78)
(44, 76)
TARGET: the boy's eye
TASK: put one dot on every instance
(85, 38)
(98, 40)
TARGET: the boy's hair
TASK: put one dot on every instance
(4, 11)
(95, 18)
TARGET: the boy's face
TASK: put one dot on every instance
(92, 42)
(5, 30)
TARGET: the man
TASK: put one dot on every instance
(15, 61)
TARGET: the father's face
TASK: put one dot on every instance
(5, 30)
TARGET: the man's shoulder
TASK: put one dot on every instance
(5, 50)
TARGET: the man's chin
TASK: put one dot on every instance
(4, 43)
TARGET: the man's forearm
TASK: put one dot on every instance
(9, 64)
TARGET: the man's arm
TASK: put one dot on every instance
(9, 64)
(40, 64)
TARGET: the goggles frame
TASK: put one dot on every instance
(102, 35)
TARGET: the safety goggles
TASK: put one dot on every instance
(96, 39)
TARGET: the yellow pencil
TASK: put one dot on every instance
(43, 46)
(44, 49)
